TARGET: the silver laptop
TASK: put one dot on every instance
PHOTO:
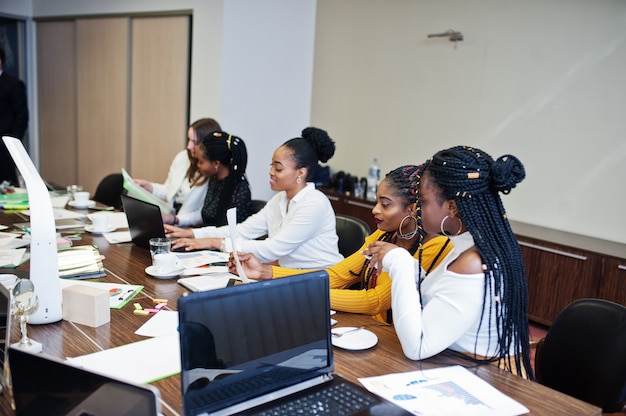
(43, 385)
(144, 221)
(251, 348)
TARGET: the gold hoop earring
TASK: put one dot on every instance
(444, 232)
(408, 235)
(298, 180)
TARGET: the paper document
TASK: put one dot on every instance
(231, 217)
(443, 391)
(140, 362)
(138, 192)
(161, 323)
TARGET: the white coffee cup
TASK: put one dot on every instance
(166, 263)
(100, 221)
(81, 198)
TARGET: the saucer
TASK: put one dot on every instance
(89, 204)
(361, 339)
(89, 228)
(152, 271)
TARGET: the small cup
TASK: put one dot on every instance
(159, 246)
(100, 222)
(166, 263)
(81, 198)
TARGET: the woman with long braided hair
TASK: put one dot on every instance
(475, 301)
(394, 214)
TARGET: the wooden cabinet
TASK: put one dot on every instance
(613, 285)
(558, 273)
(556, 276)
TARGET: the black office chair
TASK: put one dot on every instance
(351, 232)
(257, 205)
(109, 190)
(584, 354)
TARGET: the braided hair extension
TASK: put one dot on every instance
(230, 151)
(201, 128)
(473, 179)
(402, 182)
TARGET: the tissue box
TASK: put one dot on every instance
(86, 305)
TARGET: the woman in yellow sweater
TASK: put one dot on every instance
(395, 217)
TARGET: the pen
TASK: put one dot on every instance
(128, 293)
(26, 229)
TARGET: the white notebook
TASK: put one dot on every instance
(209, 281)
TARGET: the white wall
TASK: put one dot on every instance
(541, 79)
(267, 72)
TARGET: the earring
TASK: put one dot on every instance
(298, 180)
(444, 232)
(408, 235)
(216, 168)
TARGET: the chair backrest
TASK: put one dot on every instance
(351, 232)
(257, 204)
(109, 190)
(584, 353)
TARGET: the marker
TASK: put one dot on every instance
(26, 229)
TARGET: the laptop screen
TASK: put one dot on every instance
(248, 340)
(144, 221)
(45, 386)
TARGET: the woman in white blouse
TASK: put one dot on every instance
(299, 221)
(185, 187)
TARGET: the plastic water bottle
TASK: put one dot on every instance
(373, 176)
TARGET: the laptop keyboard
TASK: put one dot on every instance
(268, 378)
(337, 400)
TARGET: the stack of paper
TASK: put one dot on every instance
(80, 262)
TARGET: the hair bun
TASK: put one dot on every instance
(506, 172)
(320, 141)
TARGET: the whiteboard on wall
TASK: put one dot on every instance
(543, 80)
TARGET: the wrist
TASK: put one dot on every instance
(268, 271)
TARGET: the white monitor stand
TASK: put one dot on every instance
(44, 262)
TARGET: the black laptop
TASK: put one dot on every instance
(43, 385)
(251, 348)
(144, 221)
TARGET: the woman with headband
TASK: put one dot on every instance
(298, 220)
(222, 159)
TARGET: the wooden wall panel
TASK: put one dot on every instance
(102, 82)
(56, 68)
(158, 130)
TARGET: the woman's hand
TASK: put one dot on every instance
(377, 251)
(147, 185)
(177, 232)
(190, 244)
(252, 267)
(169, 218)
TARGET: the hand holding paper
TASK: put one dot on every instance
(231, 216)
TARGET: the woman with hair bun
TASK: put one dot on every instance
(298, 220)
(476, 300)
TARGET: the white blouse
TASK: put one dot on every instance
(453, 305)
(304, 236)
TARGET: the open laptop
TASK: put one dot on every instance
(144, 221)
(249, 348)
(43, 385)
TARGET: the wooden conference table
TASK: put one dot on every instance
(126, 263)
